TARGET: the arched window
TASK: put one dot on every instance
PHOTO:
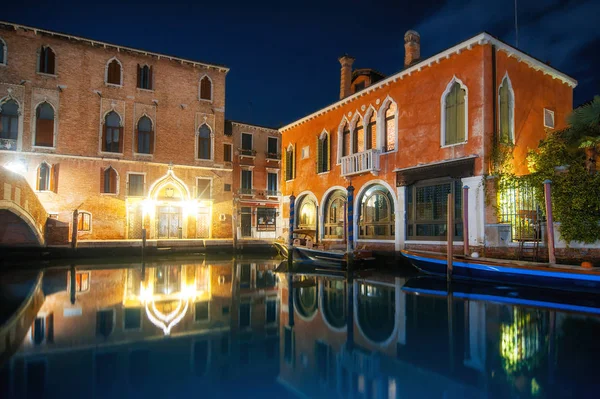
(454, 114)
(205, 88)
(9, 124)
(358, 142)
(371, 132)
(307, 213)
(346, 140)
(43, 177)
(3, 52)
(109, 181)
(113, 133)
(84, 221)
(507, 108)
(47, 60)
(334, 302)
(376, 311)
(204, 142)
(44, 125)
(290, 163)
(335, 214)
(390, 128)
(323, 156)
(145, 136)
(113, 73)
(144, 78)
(377, 214)
(306, 298)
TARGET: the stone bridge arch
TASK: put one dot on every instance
(22, 215)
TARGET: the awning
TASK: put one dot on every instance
(454, 168)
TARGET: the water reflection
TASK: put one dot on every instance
(231, 328)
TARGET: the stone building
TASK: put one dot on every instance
(407, 140)
(256, 175)
(129, 138)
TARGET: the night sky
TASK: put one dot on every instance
(283, 54)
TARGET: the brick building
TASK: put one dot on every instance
(405, 141)
(256, 176)
(129, 138)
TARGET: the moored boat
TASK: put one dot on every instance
(572, 278)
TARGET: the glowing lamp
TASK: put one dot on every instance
(16, 167)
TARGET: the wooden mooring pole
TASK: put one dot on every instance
(549, 221)
(143, 243)
(450, 235)
(465, 220)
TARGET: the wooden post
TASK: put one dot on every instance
(72, 284)
(74, 229)
(292, 214)
(350, 217)
(549, 222)
(317, 225)
(465, 219)
(143, 243)
(450, 235)
(234, 222)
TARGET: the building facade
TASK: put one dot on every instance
(256, 175)
(405, 141)
(130, 139)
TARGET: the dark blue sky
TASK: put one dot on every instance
(283, 54)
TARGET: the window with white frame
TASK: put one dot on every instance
(506, 100)
(246, 181)
(135, 185)
(114, 72)
(204, 142)
(272, 181)
(389, 128)
(305, 152)
(454, 114)
(9, 124)
(203, 188)
(548, 118)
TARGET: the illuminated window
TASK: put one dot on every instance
(371, 132)
(144, 77)
(454, 114)
(46, 61)
(205, 88)
(323, 155)
(84, 221)
(145, 136)
(334, 215)
(265, 219)
(390, 128)
(109, 181)
(43, 177)
(113, 133)
(113, 72)
(82, 281)
(9, 123)
(377, 214)
(44, 125)
(358, 138)
(204, 142)
(506, 114)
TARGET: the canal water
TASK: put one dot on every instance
(222, 327)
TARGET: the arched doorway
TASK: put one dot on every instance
(377, 218)
(334, 215)
(307, 213)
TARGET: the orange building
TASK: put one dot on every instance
(405, 141)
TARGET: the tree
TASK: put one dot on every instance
(584, 131)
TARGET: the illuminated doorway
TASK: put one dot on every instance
(169, 222)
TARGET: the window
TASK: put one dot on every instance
(271, 311)
(426, 210)
(371, 132)
(273, 148)
(201, 311)
(204, 142)
(272, 180)
(390, 128)
(44, 125)
(135, 185)
(203, 188)
(246, 182)
(246, 144)
(244, 315)
(307, 213)
(358, 138)
(43, 180)
(507, 109)
(454, 114)
(82, 281)
(290, 163)
(334, 215)
(227, 187)
(109, 181)
(548, 118)
(9, 124)
(144, 77)
(112, 140)
(265, 219)
(376, 218)
(46, 61)
(104, 322)
(43, 329)
(305, 152)
(346, 140)
(84, 221)
(205, 88)
(323, 153)
(145, 136)
(113, 72)
(3, 51)
(227, 152)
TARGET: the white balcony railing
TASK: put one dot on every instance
(361, 162)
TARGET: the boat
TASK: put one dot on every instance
(581, 302)
(331, 258)
(562, 277)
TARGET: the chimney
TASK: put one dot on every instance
(346, 75)
(412, 48)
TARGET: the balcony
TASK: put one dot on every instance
(8, 144)
(272, 193)
(273, 156)
(247, 192)
(247, 153)
(361, 162)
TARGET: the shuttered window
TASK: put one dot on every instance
(46, 61)
(144, 80)
(290, 164)
(346, 140)
(454, 104)
(44, 125)
(371, 132)
(205, 88)
(145, 136)
(506, 113)
(323, 155)
(113, 75)
(112, 141)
